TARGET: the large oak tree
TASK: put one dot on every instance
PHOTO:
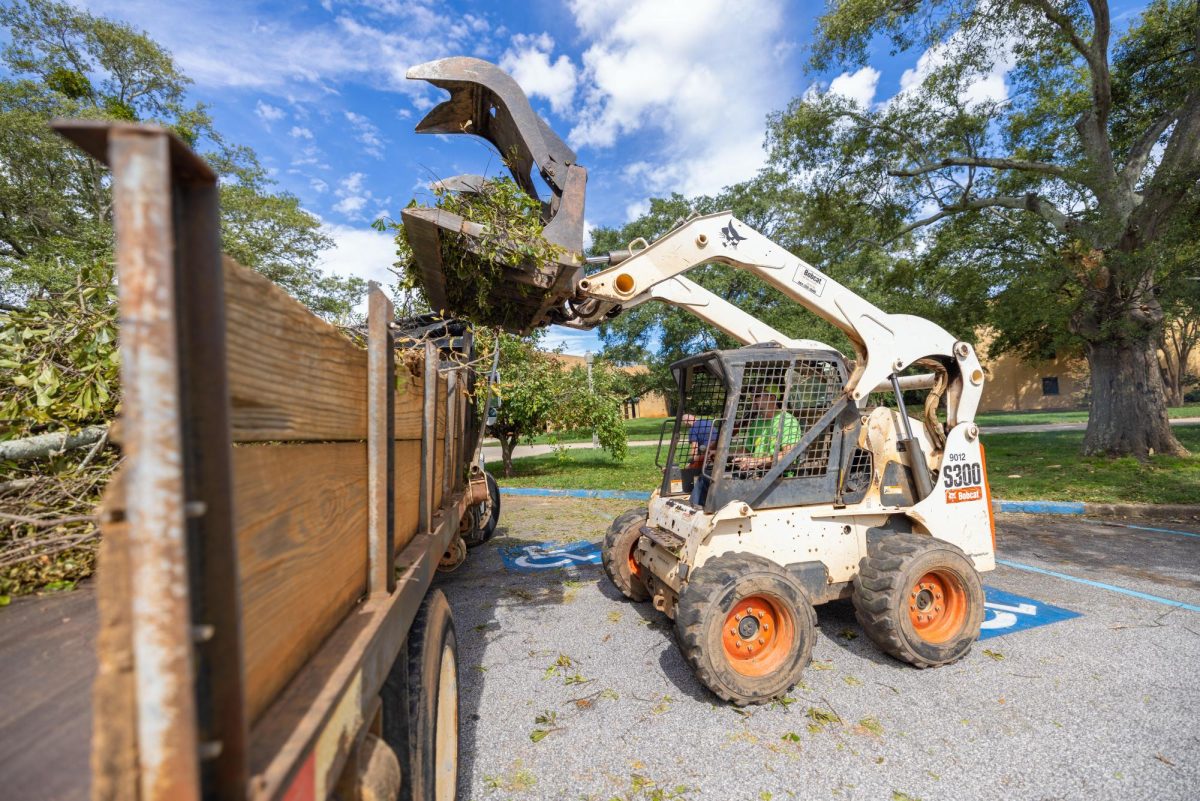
(1074, 192)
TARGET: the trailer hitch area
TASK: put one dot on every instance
(486, 102)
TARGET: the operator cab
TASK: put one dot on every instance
(766, 425)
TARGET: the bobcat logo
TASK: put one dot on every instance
(730, 237)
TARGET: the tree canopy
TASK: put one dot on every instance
(55, 209)
(1061, 212)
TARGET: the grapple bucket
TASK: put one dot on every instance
(486, 102)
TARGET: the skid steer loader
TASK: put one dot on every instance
(783, 487)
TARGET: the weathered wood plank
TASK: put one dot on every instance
(292, 376)
(407, 492)
(301, 517)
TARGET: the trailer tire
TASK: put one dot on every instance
(716, 640)
(420, 705)
(918, 598)
(487, 515)
(616, 554)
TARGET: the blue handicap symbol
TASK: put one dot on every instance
(550, 556)
(1006, 613)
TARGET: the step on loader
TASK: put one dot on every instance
(784, 485)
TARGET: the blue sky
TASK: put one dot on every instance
(654, 95)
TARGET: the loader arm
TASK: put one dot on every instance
(885, 343)
(722, 315)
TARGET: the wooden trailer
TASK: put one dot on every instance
(267, 625)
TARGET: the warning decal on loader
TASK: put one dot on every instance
(1006, 613)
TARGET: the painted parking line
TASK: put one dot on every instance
(1006, 612)
(1145, 596)
(1157, 530)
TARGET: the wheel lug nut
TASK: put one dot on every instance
(739, 645)
(766, 626)
(760, 640)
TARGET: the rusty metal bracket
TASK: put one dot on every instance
(187, 640)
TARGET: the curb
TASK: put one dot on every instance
(1175, 510)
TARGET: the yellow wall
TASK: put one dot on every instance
(1015, 384)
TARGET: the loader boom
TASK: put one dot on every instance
(886, 343)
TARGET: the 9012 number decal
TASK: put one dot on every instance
(968, 474)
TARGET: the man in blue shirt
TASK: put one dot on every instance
(702, 439)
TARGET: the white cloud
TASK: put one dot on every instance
(571, 340)
(990, 86)
(352, 195)
(362, 252)
(235, 45)
(858, 87)
(636, 209)
(528, 62)
(318, 186)
(301, 133)
(268, 113)
(587, 235)
(367, 134)
(654, 66)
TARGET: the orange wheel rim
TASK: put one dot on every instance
(937, 606)
(634, 568)
(758, 635)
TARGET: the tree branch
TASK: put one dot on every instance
(1139, 154)
(1030, 202)
(43, 445)
(981, 161)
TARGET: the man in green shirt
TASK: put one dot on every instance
(769, 433)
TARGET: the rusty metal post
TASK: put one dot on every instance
(449, 458)
(152, 411)
(428, 433)
(381, 468)
(191, 726)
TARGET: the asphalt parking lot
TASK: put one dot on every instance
(571, 692)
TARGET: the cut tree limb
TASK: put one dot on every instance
(43, 445)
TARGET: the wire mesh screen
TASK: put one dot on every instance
(702, 407)
(858, 474)
(777, 403)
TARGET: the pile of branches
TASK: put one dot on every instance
(59, 388)
(512, 237)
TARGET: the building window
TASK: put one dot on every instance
(1050, 385)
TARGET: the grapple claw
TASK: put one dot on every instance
(487, 102)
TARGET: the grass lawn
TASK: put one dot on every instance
(647, 428)
(1080, 416)
(1041, 466)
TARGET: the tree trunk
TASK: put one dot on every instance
(506, 449)
(1128, 413)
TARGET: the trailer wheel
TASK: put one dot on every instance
(616, 554)
(487, 515)
(746, 627)
(918, 598)
(420, 705)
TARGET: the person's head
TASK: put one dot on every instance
(689, 419)
(765, 403)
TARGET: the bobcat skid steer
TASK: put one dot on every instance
(783, 486)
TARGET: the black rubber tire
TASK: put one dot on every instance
(895, 562)
(485, 529)
(412, 702)
(711, 595)
(619, 542)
